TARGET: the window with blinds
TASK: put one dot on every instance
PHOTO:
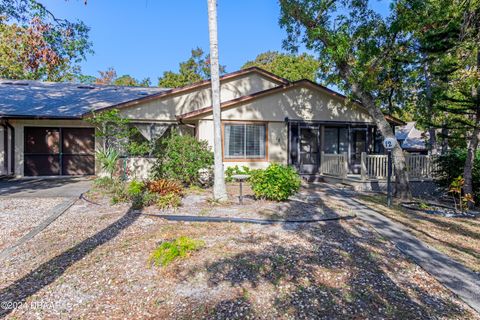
(244, 141)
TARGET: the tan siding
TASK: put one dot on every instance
(165, 109)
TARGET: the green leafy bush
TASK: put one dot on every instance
(277, 182)
(180, 157)
(451, 166)
(168, 251)
(169, 200)
(135, 188)
(108, 159)
(230, 171)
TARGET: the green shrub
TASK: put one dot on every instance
(451, 166)
(135, 188)
(169, 200)
(230, 171)
(168, 251)
(180, 157)
(108, 159)
(277, 182)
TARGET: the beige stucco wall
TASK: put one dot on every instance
(297, 103)
(165, 109)
(19, 135)
(277, 143)
(301, 103)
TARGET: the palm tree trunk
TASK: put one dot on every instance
(219, 189)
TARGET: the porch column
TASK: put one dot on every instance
(345, 165)
(363, 166)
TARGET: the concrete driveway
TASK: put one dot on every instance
(70, 187)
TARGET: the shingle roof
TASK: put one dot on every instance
(26, 98)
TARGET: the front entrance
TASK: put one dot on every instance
(59, 151)
(305, 148)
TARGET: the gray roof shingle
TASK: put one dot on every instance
(27, 98)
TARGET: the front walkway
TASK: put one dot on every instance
(462, 281)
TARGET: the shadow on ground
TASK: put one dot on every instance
(48, 272)
(347, 273)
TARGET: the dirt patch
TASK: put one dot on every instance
(200, 203)
(20, 215)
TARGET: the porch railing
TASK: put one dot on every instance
(334, 164)
(375, 166)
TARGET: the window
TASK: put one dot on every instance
(245, 141)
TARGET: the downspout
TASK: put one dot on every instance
(12, 147)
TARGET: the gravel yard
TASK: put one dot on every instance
(20, 215)
(92, 262)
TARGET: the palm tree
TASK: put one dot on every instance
(219, 189)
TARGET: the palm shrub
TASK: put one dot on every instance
(108, 158)
(276, 182)
(180, 157)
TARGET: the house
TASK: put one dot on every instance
(265, 119)
(411, 139)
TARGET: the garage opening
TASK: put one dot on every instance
(50, 151)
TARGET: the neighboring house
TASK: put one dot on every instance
(265, 119)
(411, 139)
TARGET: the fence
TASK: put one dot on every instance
(375, 166)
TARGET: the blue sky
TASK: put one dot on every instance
(143, 38)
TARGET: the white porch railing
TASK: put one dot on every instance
(375, 166)
(334, 164)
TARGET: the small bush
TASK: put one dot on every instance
(180, 157)
(169, 200)
(165, 186)
(451, 166)
(277, 182)
(230, 171)
(103, 183)
(135, 188)
(168, 251)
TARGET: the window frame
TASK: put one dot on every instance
(244, 159)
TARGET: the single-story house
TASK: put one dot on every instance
(265, 119)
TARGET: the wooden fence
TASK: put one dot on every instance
(375, 166)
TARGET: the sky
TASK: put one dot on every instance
(144, 38)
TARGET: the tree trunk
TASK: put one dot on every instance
(219, 189)
(445, 133)
(473, 144)
(432, 143)
(402, 185)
